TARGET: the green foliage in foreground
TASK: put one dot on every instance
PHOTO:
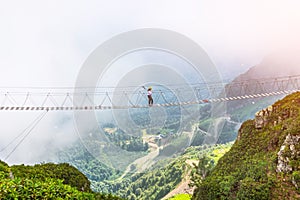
(69, 174)
(39, 182)
(248, 170)
(31, 189)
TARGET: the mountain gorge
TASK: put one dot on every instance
(262, 164)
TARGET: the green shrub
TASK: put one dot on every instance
(69, 174)
(251, 189)
(296, 178)
(31, 189)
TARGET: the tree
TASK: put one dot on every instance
(204, 167)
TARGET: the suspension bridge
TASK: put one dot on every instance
(106, 98)
(109, 98)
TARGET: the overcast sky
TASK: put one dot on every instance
(44, 43)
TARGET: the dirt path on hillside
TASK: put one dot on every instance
(144, 162)
(183, 187)
(141, 164)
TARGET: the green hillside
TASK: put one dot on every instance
(264, 162)
(46, 181)
(158, 181)
(154, 183)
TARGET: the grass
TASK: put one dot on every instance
(181, 197)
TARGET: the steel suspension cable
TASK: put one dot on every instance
(33, 125)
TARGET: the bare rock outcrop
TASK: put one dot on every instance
(288, 152)
(261, 117)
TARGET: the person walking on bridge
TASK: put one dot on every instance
(149, 94)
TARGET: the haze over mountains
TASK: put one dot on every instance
(280, 63)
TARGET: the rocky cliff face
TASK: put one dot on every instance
(261, 117)
(284, 160)
(281, 115)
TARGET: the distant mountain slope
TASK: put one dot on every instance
(273, 65)
(276, 65)
(264, 162)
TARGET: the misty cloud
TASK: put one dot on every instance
(46, 43)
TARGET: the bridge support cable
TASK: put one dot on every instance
(25, 133)
(18, 136)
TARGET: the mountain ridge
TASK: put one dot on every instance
(264, 162)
